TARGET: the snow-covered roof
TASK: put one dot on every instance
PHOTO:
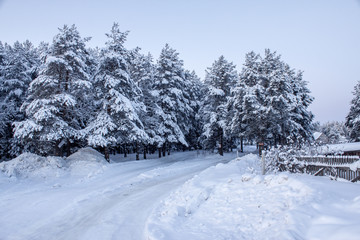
(344, 147)
(317, 135)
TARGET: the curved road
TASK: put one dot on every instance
(111, 205)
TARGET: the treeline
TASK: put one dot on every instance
(58, 97)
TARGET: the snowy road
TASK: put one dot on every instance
(183, 196)
(112, 205)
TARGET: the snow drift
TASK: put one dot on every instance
(85, 162)
(233, 201)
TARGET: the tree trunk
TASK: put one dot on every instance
(241, 144)
(137, 151)
(58, 149)
(221, 150)
(125, 151)
(164, 149)
(145, 151)
(66, 87)
(168, 149)
(68, 148)
(159, 152)
(106, 154)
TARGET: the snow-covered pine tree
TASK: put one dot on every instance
(353, 117)
(2, 57)
(336, 132)
(244, 104)
(116, 120)
(55, 108)
(194, 91)
(20, 68)
(220, 79)
(287, 121)
(270, 102)
(302, 118)
(3, 113)
(142, 71)
(168, 89)
(279, 99)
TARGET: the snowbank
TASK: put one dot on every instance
(29, 165)
(232, 201)
(85, 162)
(229, 201)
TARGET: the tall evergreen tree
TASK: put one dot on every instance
(168, 86)
(116, 121)
(20, 68)
(142, 71)
(220, 79)
(244, 105)
(270, 102)
(278, 98)
(301, 116)
(3, 112)
(194, 90)
(56, 105)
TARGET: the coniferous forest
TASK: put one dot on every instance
(58, 97)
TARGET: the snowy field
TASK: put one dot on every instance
(188, 195)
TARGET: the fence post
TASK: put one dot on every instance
(263, 163)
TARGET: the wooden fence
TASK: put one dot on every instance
(335, 166)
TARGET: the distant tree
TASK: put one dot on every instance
(353, 117)
(220, 78)
(116, 120)
(55, 108)
(336, 132)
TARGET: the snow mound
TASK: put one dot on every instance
(29, 165)
(86, 154)
(230, 201)
(85, 162)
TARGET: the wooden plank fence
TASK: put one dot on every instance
(335, 166)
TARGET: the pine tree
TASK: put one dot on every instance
(270, 102)
(3, 112)
(55, 108)
(116, 121)
(19, 70)
(244, 105)
(336, 132)
(142, 71)
(353, 117)
(302, 118)
(194, 90)
(278, 98)
(220, 78)
(168, 86)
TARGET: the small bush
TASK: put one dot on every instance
(284, 158)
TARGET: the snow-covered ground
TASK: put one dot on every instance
(190, 195)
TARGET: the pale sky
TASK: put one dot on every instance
(320, 37)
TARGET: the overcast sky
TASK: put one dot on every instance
(320, 37)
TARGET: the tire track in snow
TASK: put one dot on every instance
(119, 211)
